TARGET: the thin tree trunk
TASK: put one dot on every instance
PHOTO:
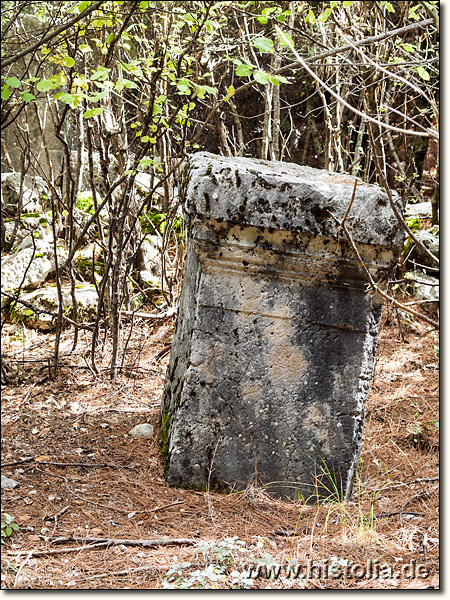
(435, 200)
(238, 126)
(276, 63)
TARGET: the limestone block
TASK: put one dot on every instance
(34, 193)
(47, 299)
(29, 267)
(420, 209)
(430, 239)
(274, 346)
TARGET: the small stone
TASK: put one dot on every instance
(142, 430)
(9, 484)
(420, 209)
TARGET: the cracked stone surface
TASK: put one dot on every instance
(276, 334)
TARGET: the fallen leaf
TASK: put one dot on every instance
(43, 458)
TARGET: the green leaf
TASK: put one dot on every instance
(347, 4)
(99, 74)
(93, 112)
(183, 86)
(310, 17)
(323, 17)
(27, 97)
(263, 44)
(83, 6)
(128, 83)
(277, 79)
(408, 47)
(13, 82)
(68, 61)
(6, 92)
(45, 85)
(145, 139)
(423, 73)
(288, 36)
(147, 162)
(261, 77)
(388, 6)
(67, 98)
(244, 70)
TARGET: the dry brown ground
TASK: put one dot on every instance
(392, 520)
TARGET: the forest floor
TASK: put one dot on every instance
(78, 524)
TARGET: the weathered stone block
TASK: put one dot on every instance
(275, 340)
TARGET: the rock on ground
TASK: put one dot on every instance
(47, 300)
(142, 430)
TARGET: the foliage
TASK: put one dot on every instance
(219, 557)
(414, 223)
(85, 202)
(8, 526)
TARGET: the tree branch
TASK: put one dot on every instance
(428, 133)
(49, 36)
(295, 65)
(396, 212)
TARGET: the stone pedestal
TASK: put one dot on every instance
(276, 333)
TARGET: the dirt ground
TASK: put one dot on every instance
(94, 511)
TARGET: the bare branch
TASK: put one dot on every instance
(428, 133)
(395, 210)
(51, 35)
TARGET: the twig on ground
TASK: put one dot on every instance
(144, 512)
(151, 316)
(125, 572)
(402, 484)
(22, 461)
(398, 512)
(88, 465)
(422, 492)
(163, 352)
(60, 550)
(21, 567)
(56, 515)
(127, 542)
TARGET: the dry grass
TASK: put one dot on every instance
(392, 519)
